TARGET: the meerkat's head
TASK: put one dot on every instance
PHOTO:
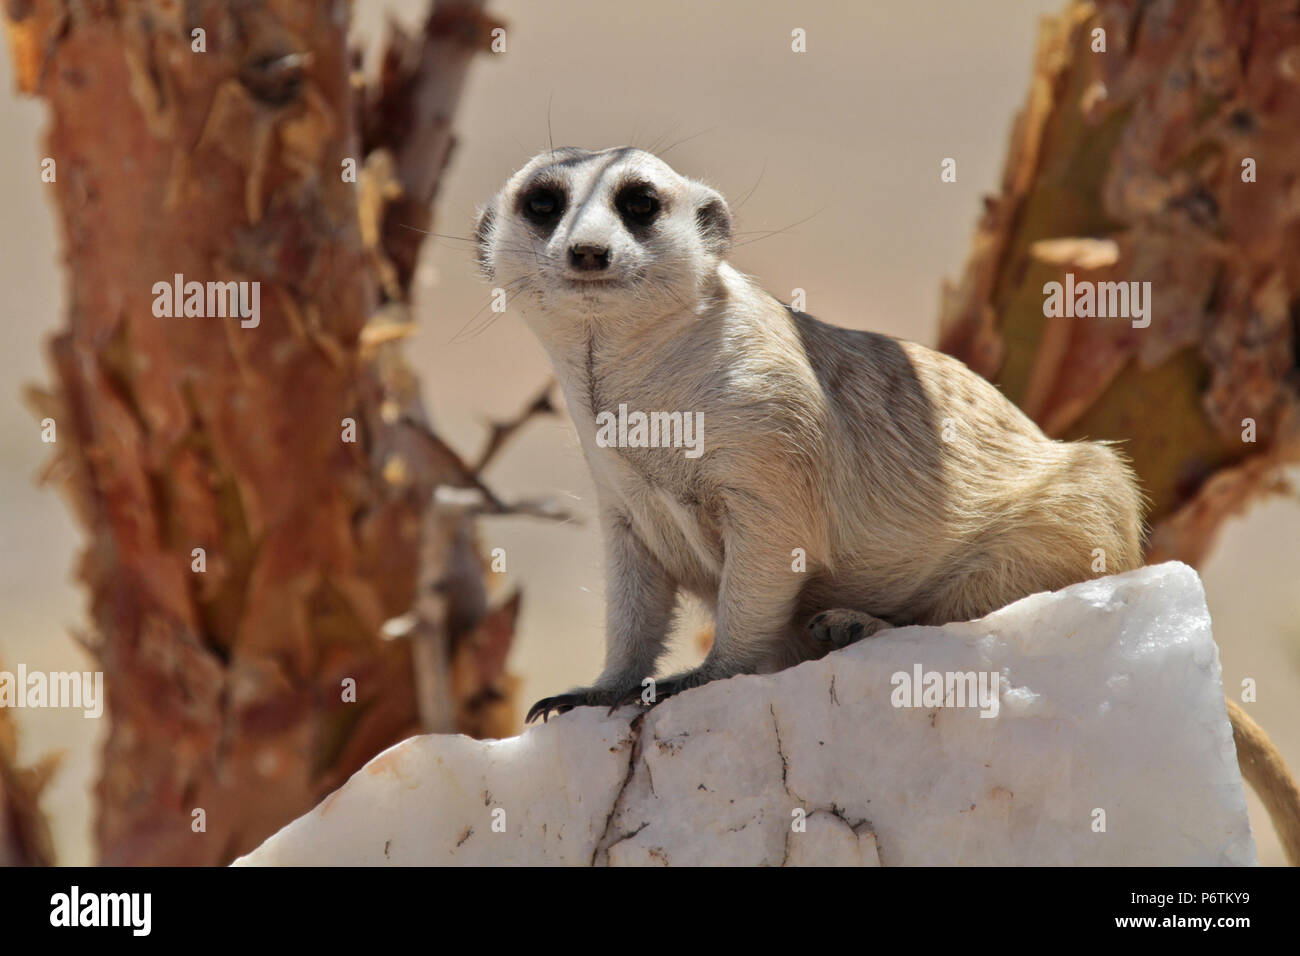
(582, 234)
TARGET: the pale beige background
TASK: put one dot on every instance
(850, 134)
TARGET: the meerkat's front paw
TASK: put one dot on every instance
(665, 687)
(578, 697)
(842, 627)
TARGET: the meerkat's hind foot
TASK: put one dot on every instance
(578, 697)
(841, 627)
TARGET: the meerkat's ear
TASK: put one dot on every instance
(483, 236)
(713, 219)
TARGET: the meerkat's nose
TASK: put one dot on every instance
(588, 257)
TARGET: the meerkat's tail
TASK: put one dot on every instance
(1266, 772)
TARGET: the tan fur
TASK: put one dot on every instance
(1265, 770)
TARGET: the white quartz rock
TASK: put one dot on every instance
(1110, 745)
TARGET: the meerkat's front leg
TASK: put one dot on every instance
(756, 597)
(640, 597)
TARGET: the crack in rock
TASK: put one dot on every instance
(634, 753)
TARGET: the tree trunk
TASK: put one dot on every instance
(24, 834)
(1173, 158)
(291, 450)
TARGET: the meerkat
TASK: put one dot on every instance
(837, 482)
(846, 481)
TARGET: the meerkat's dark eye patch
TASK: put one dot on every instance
(637, 204)
(542, 205)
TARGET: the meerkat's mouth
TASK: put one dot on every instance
(592, 284)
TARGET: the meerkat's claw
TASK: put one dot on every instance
(578, 697)
(631, 697)
(543, 707)
(842, 627)
(560, 703)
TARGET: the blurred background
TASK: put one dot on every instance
(838, 149)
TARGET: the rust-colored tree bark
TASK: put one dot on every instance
(213, 140)
(1172, 157)
(24, 834)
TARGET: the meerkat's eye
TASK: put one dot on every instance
(543, 205)
(637, 204)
